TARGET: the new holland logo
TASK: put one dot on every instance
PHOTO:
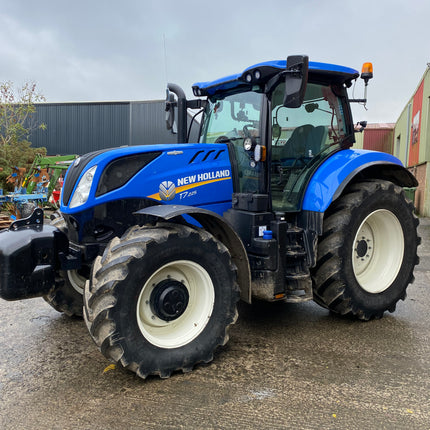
(167, 190)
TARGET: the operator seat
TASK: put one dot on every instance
(315, 141)
(295, 147)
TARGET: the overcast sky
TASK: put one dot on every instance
(93, 50)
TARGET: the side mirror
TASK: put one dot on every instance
(360, 126)
(170, 112)
(296, 79)
(276, 131)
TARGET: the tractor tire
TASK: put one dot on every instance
(67, 295)
(161, 299)
(368, 251)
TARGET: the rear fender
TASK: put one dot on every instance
(332, 177)
(220, 229)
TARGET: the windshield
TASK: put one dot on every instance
(231, 120)
(301, 139)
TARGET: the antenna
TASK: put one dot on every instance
(165, 57)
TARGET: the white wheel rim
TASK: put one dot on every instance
(76, 280)
(185, 328)
(378, 250)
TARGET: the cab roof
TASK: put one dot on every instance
(330, 73)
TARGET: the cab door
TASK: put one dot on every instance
(302, 138)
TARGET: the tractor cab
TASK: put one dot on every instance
(281, 120)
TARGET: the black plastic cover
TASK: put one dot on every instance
(250, 202)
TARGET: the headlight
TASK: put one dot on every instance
(82, 191)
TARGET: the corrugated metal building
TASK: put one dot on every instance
(78, 128)
(412, 140)
(379, 137)
(376, 137)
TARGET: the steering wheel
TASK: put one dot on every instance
(223, 139)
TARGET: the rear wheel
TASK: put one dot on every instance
(368, 251)
(67, 295)
(161, 299)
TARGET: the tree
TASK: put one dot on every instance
(17, 121)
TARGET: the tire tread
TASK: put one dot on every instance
(109, 270)
(330, 289)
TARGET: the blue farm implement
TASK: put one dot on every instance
(35, 187)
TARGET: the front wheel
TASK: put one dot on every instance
(161, 299)
(66, 295)
(368, 251)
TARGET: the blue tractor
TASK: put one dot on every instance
(156, 244)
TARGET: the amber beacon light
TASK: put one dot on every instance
(367, 72)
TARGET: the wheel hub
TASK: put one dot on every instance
(364, 248)
(169, 299)
(361, 248)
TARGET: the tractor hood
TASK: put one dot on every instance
(187, 174)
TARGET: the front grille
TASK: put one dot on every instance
(119, 171)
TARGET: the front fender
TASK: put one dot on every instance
(331, 178)
(220, 229)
